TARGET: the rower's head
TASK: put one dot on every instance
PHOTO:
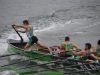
(87, 46)
(67, 38)
(98, 42)
(25, 22)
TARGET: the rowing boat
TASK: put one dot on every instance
(36, 51)
(17, 46)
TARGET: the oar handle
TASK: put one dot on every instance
(18, 34)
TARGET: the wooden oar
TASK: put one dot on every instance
(16, 69)
(61, 73)
(60, 62)
(55, 69)
(49, 69)
(23, 61)
(49, 73)
(18, 34)
(36, 71)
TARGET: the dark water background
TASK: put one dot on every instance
(52, 20)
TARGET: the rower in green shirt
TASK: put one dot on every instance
(96, 51)
(28, 29)
(67, 45)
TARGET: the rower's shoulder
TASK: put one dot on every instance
(73, 44)
(30, 26)
(95, 46)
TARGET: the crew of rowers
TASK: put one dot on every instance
(71, 48)
(64, 47)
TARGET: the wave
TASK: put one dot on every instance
(81, 30)
(7, 72)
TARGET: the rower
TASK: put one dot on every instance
(96, 48)
(83, 52)
(67, 45)
(28, 29)
(85, 55)
(96, 51)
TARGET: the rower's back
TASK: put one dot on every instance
(98, 48)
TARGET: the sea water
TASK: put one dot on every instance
(52, 20)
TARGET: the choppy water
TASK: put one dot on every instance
(52, 20)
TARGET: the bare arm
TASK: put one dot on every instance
(22, 26)
(22, 31)
(94, 49)
(77, 53)
(57, 46)
(98, 58)
(76, 46)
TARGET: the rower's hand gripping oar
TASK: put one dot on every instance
(18, 34)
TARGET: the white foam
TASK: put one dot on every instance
(14, 35)
(45, 29)
(7, 72)
(88, 26)
(53, 26)
(78, 32)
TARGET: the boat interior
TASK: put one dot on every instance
(35, 46)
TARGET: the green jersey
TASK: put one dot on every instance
(98, 50)
(30, 32)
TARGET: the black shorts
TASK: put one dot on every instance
(33, 40)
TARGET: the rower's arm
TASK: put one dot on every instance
(22, 31)
(22, 26)
(77, 48)
(98, 58)
(76, 53)
(57, 46)
(94, 49)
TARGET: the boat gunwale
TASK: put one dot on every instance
(8, 41)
